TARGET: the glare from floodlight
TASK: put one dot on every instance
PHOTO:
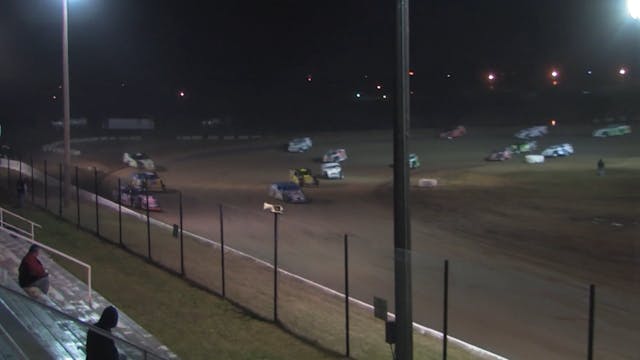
(589, 72)
(358, 95)
(554, 74)
(634, 9)
(622, 71)
(491, 77)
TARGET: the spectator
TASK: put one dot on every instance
(21, 188)
(600, 167)
(100, 347)
(31, 272)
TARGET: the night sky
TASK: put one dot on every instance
(131, 58)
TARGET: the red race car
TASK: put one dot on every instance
(453, 133)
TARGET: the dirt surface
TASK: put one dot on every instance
(524, 241)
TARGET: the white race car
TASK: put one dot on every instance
(336, 155)
(332, 170)
(531, 132)
(299, 145)
(139, 161)
(613, 130)
(558, 150)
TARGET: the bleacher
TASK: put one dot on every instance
(54, 326)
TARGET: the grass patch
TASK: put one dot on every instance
(196, 324)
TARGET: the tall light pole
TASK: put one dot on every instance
(65, 96)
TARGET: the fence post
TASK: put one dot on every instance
(95, 183)
(77, 198)
(592, 304)
(445, 315)
(146, 193)
(224, 294)
(46, 186)
(181, 236)
(120, 213)
(60, 189)
(8, 175)
(346, 295)
(275, 266)
(33, 192)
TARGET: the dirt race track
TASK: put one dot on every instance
(524, 241)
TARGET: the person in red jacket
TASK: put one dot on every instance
(31, 272)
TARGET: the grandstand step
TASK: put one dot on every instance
(16, 342)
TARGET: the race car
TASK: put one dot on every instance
(414, 161)
(287, 192)
(303, 177)
(499, 155)
(613, 130)
(336, 155)
(531, 132)
(453, 133)
(332, 170)
(139, 161)
(558, 150)
(136, 198)
(299, 145)
(523, 147)
(148, 180)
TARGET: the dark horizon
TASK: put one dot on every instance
(252, 61)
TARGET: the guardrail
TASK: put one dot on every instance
(30, 237)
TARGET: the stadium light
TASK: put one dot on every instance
(633, 6)
(491, 77)
(554, 74)
(622, 71)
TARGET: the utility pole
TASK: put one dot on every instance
(401, 216)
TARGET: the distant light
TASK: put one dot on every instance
(379, 87)
(384, 96)
(589, 72)
(555, 82)
(54, 97)
(622, 71)
(309, 78)
(553, 122)
(358, 95)
(122, 84)
(634, 8)
(554, 74)
(411, 73)
(411, 92)
(491, 77)
(448, 76)
(181, 93)
(366, 76)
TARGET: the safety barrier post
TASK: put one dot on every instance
(181, 237)
(592, 304)
(46, 176)
(60, 189)
(346, 295)
(146, 192)
(120, 212)
(445, 315)
(95, 186)
(77, 199)
(222, 249)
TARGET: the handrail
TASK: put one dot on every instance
(98, 330)
(31, 223)
(57, 252)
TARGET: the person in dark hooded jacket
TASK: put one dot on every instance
(100, 347)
